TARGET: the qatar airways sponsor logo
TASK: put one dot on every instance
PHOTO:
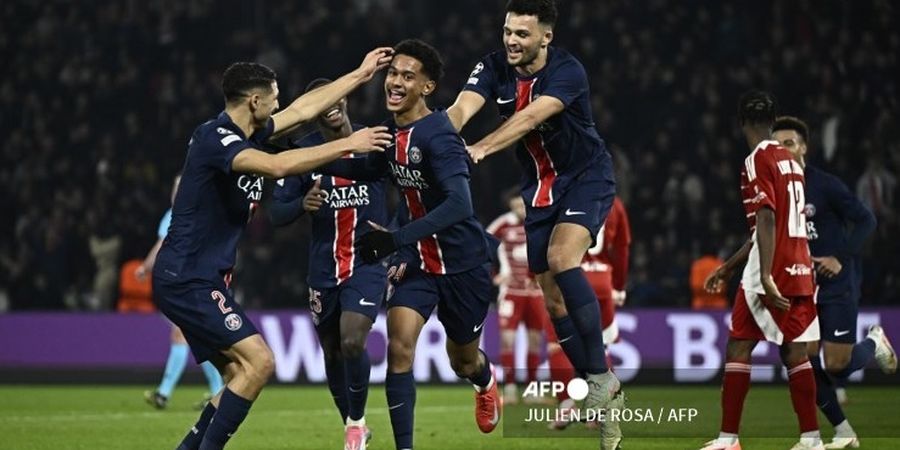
(798, 270)
(408, 178)
(353, 196)
(252, 185)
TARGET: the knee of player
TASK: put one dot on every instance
(353, 345)
(559, 260)
(263, 366)
(400, 354)
(835, 364)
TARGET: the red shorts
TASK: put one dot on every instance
(515, 309)
(753, 320)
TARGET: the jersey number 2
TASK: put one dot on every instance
(796, 219)
(216, 295)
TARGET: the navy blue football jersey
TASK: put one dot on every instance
(212, 205)
(342, 218)
(558, 150)
(830, 209)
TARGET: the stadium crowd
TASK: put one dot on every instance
(97, 103)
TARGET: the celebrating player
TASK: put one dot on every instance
(568, 182)
(429, 165)
(178, 350)
(830, 207)
(520, 300)
(775, 302)
(220, 188)
(345, 293)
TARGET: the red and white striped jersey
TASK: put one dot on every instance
(771, 178)
(513, 255)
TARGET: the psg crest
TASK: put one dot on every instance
(233, 322)
(415, 155)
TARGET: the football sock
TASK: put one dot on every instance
(534, 359)
(192, 440)
(735, 385)
(482, 379)
(213, 378)
(507, 360)
(178, 356)
(584, 309)
(401, 399)
(862, 353)
(561, 370)
(826, 398)
(570, 341)
(337, 384)
(803, 396)
(232, 411)
(357, 376)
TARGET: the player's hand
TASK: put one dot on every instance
(715, 282)
(500, 279)
(374, 61)
(376, 244)
(476, 152)
(827, 266)
(773, 296)
(140, 273)
(369, 139)
(314, 197)
(619, 297)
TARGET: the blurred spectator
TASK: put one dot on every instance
(700, 269)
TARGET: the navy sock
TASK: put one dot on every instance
(357, 373)
(584, 309)
(483, 378)
(401, 399)
(232, 411)
(195, 435)
(826, 398)
(337, 384)
(863, 352)
(571, 342)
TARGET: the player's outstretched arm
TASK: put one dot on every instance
(147, 265)
(516, 127)
(295, 161)
(467, 104)
(311, 104)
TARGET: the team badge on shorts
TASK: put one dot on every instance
(415, 155)
(233, 322)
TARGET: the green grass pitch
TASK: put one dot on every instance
(291, 417)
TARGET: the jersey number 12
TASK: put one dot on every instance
(796, 219)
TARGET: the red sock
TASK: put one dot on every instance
(803, 395)
(533, 360)
(735, 385)
(561, 370)
(508, 360)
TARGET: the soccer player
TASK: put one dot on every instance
(831, 209)
(178, 349)
(429, 165)
(220, 188)
(776, 299)
(520, 300)
(568, 183)
(606, 265)
(345, 292)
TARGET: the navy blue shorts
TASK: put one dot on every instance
(361, 293)
(207, 315)
(837, 319)
(462, 299)
(586, 203)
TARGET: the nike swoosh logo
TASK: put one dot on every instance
(389, 145)
(350, 388)
(503, 101)
(363, 302)
(569, 212)
(496, 417)
(565, 339)
(396, 406)
(840, 333)
(477, 327)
